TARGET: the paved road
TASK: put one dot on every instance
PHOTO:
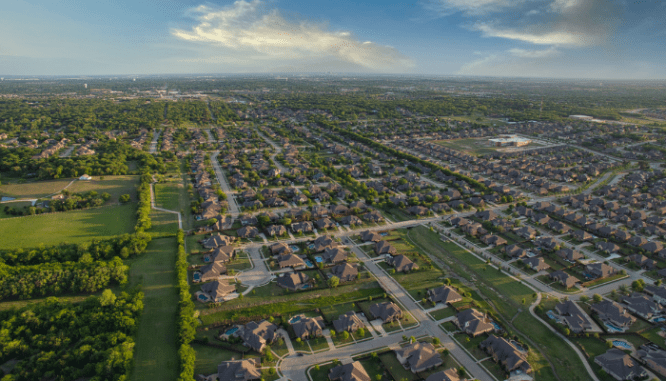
(153, 143)
(277, 150)
(259, 275)
(234, 210)
(69, 150)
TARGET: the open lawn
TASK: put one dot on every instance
(35, 189)
(156, 352)
(443, 313)
(208, 358)
(272, 300)
(396, 369)
(72, 227)
(113, 185)
(163, 223)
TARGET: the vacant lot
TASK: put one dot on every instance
(36, 189)
(72, 227)
(156, 354)
(113, 185)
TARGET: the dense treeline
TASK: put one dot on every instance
(111, 159)
(62, 341)
(222, 111)
(125, 246)
(185, 320)
(143, 221)
(79, 115)
(25, 282)
(193, 111)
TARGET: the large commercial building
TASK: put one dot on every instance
(510, 141)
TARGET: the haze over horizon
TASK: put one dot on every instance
(596, 39)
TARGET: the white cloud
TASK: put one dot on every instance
(523, 53)
(546, 37)
(247, 25)
(471, 7)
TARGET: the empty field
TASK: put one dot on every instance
(72, 227)
(34, 190)
(114, 185)
(156, 354)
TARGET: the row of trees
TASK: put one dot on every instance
(124, 246)
(61, 341)
(143, 221)
(25, 282)
(185, 320)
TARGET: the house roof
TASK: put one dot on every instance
(292, 281)
(420, 356)
(620, 364)
(385, 311)
(348, 322)
(240, 370)
(349, 372)
(444, 294)
(402, 263)
(218, 289)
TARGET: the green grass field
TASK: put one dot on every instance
(72, 227)
(18, 205)
(156, 352)
(114, 185)
(163, 223)
(35, 189)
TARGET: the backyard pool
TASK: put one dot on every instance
(497, 327)
(294, 248)
(621, 344)
(319, 259)
(295, 319)
(203, 297)
(309, 263)
(196, 277)
(518, 346)
(383, 234)
(311, 246)
(231, 331)
(612, 328)
(551, 315)
(659, 319)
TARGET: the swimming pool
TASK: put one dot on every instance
(383, 234)
(309, 263)
(203, 297)
(231, 331)
(311, 246)
(659, 319)
(518, 346)
(497, 327)
(319, 259)
(621, 344)
(294, 248)
(295, 319)
(551, 315)
(206, 259)
(196, 276)
(612, 328)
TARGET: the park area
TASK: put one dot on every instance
(71, 227)
(478, 146)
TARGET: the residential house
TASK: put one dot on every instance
(402, 263)
(620, 365)
(536, 264)
(349, 322)
(642, 305)
(238, 370)
(473, 322)
(290, 260)
(257, 335)
(444, 295)
(506, 354)
(370, 236)
(383, 247)
(346, 272)
(334, 255)
(573, 316)
(217, 291)
(419, 357)
(353, 371)
(613, 313)
(599, 270)
(564, 279)
(654, 358)
(307, 327)
(293, 281)
(386, 312)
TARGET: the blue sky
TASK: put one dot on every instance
(526, 38)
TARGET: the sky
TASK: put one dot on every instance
(606, 39)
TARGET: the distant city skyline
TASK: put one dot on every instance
(596, 39)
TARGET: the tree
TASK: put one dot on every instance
(124, 198)
(108, 298)
(597, 298)
(345, 335)
(333, 281)
(436, 341)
